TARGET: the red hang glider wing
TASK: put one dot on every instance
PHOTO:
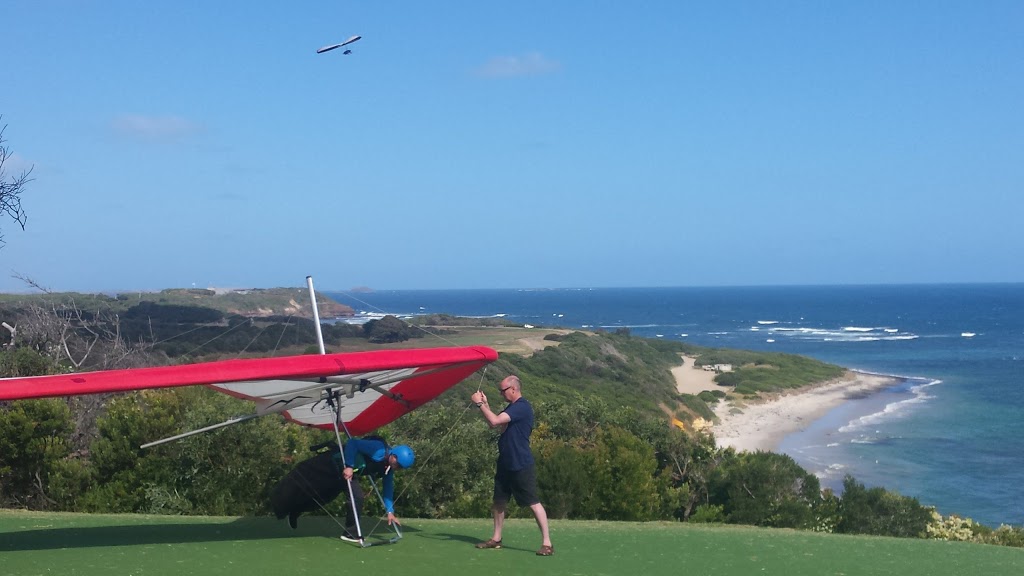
(377, 387)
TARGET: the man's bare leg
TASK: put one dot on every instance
(498, 510)
(542, 523)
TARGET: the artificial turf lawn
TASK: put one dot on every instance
(104, 545)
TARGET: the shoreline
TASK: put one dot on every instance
(764, 424)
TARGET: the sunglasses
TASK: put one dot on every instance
(505, 388)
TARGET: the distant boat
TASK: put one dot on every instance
(968, 334)
(770, 340)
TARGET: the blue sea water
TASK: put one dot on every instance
(951, 433)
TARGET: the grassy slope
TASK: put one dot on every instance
(77, 544)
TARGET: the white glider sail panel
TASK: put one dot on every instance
(376, 387)
(305, 402)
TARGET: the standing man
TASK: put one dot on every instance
(516, 474)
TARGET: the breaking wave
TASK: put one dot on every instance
(844, 334)
(919, 395)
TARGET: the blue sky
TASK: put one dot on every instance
(513, 144)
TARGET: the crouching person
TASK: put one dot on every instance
(372, 457)
(319, 480)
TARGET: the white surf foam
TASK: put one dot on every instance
(892, 410)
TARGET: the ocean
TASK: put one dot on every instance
(951, 433)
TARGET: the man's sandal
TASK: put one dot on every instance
(492, 543)
(546, 551)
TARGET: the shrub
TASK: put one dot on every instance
(951, 527)
(711, 396)
(708, 513)
(880, 512)
(697, 405)
(1006, 536)
(33, 443)
(766, 489)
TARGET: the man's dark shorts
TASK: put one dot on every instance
(522, 484)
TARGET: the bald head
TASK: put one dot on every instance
(510, 388)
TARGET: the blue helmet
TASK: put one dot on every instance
(404, 455)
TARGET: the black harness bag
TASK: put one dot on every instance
(313, 483)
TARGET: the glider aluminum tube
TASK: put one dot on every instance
(201, 430)
(316, 315)
(341, 446)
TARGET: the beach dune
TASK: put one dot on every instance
(693, 380)
(761, 425)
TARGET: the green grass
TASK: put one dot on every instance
(80, 544)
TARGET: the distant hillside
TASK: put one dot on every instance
(257, 302)
(253, 303)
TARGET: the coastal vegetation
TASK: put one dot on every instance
(754, 373)
(603, 402)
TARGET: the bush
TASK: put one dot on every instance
(1005, 536)
(952, 527)
(706, 513)
(880, 512)
(33, 444)
(625, 486)
(565, 474)
(23, 361)
(711, 396)
(697, 405)
(388, 329)
(766, 489)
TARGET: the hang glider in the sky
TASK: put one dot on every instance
(333, 46)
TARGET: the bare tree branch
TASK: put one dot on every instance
(41, 487)
(11, 189)
(31, 283)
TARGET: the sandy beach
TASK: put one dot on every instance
(763, 425)
(690, 380)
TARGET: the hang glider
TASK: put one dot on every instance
(366, 389)
(357, 392)
(330, 47)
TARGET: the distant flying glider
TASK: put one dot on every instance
(333, 46)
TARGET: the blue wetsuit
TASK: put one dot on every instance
(369, 457)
